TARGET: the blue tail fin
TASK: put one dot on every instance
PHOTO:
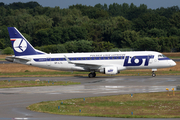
(20, 45)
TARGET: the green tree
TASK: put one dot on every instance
(175, 20)
(169, 44)
(102, 46)
(59, 48)
(149, 21)
(71, 46)
(77, 33)
(167, 12)
(79, 46)
(17, 5)
(156, 33)
(146, 44)
(173, 31)
(3, 11)
(84, 46)
(8, 51)
(124, 39)
(42, 38)
(28, 37)
(91, 12)
(1, 43)
(135, 12)
(122, 23)
(4, 36)
(116, 38)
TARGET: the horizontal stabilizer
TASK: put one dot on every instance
(12, 59)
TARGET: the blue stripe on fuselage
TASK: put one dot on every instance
(164, 58)
(78, 58)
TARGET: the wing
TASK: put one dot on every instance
(101, 67)
(91, 66)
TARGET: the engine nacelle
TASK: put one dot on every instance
(109, 70)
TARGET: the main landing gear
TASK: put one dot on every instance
(92, 74)
(153, 74)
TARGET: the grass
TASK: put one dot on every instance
(64, 73)
(2, 59)
(20, 70)
(146, 105)
(43, 74)
(27, 83)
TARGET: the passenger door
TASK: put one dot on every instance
(48, 61)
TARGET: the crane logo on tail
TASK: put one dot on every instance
(19, 45)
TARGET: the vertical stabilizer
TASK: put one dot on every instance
(20, 45)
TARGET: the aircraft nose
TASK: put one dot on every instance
(172, 63)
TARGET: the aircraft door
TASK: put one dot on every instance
(48, 61)
(150, 58)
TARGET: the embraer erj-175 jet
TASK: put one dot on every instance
(104, 62)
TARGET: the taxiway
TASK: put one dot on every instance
(13, 101)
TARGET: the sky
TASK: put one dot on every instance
(153, 4)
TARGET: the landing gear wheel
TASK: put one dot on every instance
(94, 74)
(153, 74)
(91, 75)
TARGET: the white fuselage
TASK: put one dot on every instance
(98, 60)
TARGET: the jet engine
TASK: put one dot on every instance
(109, 70)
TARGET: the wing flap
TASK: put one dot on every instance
(83, 64)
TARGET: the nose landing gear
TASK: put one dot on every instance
(92, 74)
(153, 74)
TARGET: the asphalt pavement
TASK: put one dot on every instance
(13, 101)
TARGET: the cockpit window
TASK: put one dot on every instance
(161, 56)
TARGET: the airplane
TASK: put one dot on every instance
(109, 63)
